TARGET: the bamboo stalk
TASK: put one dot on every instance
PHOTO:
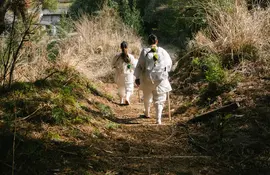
(169, 107)
(139, 97)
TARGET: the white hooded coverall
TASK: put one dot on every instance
(154, 79)
(124, 76)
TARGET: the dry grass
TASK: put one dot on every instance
(97, 42)
(233, 28)
(90, 51)
(33, 62)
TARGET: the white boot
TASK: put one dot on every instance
(128, 97)
(147, 111)
(121, 100)
(147, 105)
(159, 109)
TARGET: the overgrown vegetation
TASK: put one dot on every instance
(97, 42)
(59, 102)
(227, 62)
(51, 116)
(235, 33)
(234, 37)
(127, 11)
(52, 100)
(21, 10)
(12, 44)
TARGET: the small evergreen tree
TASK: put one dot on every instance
(130, 15)
(127, 9)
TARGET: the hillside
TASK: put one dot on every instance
(91, 134)
(59, 111)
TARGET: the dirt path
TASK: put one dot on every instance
(139, 146)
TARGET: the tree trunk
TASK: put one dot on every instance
(208, 115)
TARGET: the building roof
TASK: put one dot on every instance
(58, 11)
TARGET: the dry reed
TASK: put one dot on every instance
(234, 27)
(33, 62)
(97, 42)
(90, 51)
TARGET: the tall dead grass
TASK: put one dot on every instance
(33, 62)
(233, 29)
(97, 42)
(90, 51)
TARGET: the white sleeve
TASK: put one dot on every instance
(133, 61)
(168, 60)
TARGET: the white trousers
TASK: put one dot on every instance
(125, 83)
(150, 94)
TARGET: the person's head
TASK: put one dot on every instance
(152, 39)
(124, 46)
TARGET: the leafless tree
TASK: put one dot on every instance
(12, 42)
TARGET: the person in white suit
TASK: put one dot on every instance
(124, 64)
(151, 74)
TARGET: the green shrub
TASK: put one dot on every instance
(196, 62)
(59, 115)
(214, 72)
(67, 97)
(112, 125)
(53, 50)
(211, 67)
(215, 75)
(217, 78)
(130, 15)
(50, 4)
(80, 7)
(176, 20)
(79, 120)
(52, 136)
(104, 109)
(66, 25)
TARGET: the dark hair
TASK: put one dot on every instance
(152, 39)
(124, 53)
(123, 45)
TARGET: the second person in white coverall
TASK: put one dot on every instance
(152, 75)
(124, 65)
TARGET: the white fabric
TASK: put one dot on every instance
(156, 70)
(150, 94)
(124, 77)
(121, 100)
(159, 109)
(155, 90)
(146, 63)
(128, 94)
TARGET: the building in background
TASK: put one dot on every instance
(51, 19)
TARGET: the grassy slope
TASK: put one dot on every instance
(66, 125)
(51, 117)
(239, 140)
